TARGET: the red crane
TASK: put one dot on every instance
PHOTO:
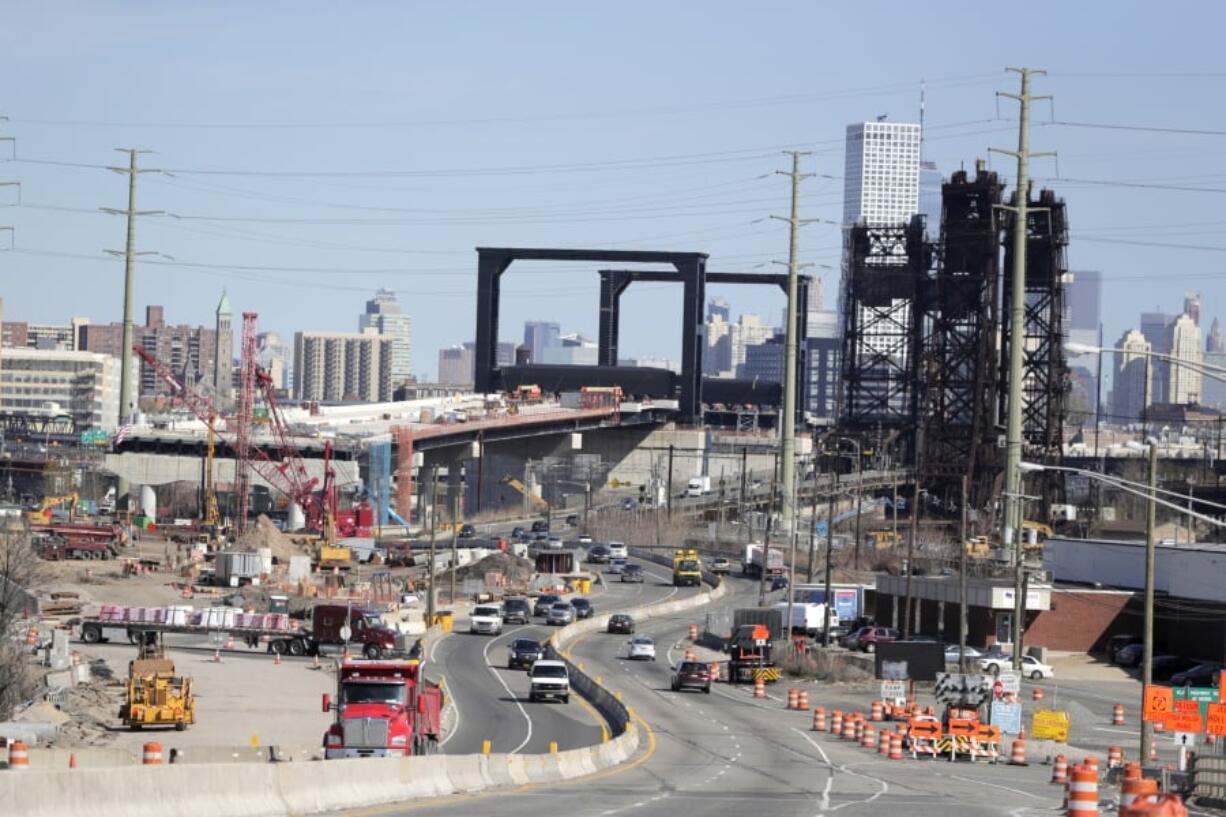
(288, 472)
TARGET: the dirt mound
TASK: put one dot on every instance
(264, 534)
(517, 570)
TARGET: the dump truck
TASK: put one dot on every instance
(383, 708)
(156, 696)
(687, 568)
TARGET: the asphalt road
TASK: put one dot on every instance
(487, 701)
(729, 754)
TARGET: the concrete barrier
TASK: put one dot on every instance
(217, 782)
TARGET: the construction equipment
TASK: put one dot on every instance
(212, 516)
(156, 696)
(42, 514)
(749, 655)
(687, 569)
(536, 501)
(883, 539)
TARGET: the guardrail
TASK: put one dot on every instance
(280, 789)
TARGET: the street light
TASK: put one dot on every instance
(1152, 501)
(1216, 372)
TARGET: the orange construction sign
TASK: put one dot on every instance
(1188, 707)
(925, 729)
(1215, 723)
(1158, 702)
(986, 733)
(1183, 722)
(961, 727)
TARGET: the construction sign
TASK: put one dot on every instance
(1050, 724)
(1007, 717)
(1157, 702)
(1183, 721)
(1185, 697)
(1215, 720)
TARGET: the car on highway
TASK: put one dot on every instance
(485, 619)
(516, 610)
(621, 623)
(584, 539)
(572, 519)
(1165, 666)
(852, 639)
(524, 652)
(618, 550)
(540, 526)
(720, 565)
(868, 641)
(583, 608)
(691, 675)
(1201, 675)
(598, 555)
(540, 536)
(518, 532)
(951, 653)
(629, 504)
(616, 566)
(560, 613)
(632, 573)
(548, 679)
(554, 543)
(467, 531)
(543, 603)
(641, 648)
(1031, 667)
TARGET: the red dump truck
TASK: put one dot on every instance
(383, 708)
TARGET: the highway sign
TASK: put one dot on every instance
(1203, 696)
(1183, 738)
(821, 528)
(893, 690)
(1008, 717)
(1050, 724)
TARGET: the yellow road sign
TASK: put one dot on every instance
(1050, 724)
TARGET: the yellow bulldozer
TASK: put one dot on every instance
(156, 696)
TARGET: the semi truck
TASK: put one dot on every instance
(751, 561)
(324, 633)
(809, 619)
(687, 568)
(383, 708)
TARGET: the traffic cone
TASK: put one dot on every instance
(217, 656)
(276, 658)
(72, 760)
(315, 662)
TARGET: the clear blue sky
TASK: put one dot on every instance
(434, 128)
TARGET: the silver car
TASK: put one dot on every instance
(560, 613)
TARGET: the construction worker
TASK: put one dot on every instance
(416, 650)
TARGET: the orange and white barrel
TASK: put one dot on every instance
(1117, 715)
(819, 720)
(19, 758)
(1059, 770)
(877, 713)
(1083, 792)
(151, 755)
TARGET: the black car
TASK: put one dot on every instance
(1118, 642)
(518, 532)
(516, 611)
(1166, 666)
(524, 652)
(632, 573)
(629, 504)
(621, 623)
(583, 608)
(572, 520)
(540, 536)
(467, 531)
(1129, 655)
(543, 603)
(1201, 675)
(779, 583)
(540, 526)
(598, 555)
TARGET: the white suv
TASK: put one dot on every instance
(548, 679)
(617, 550)
(485, 619)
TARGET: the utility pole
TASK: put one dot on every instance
(788, 432)
(910, 567)
(812, 527)
(740, 501)
(453, 491)
(1147, 631)
(764, 562)
(1017, 338)
(430, 568)
(127, 365)
(859, 501)
(669, 498)
(834, 487)
(963, 618)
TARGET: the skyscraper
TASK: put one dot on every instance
(1186, 347)
(718, 307)
(1216, 342)
(343, 366)
(223, 353)
(383, 315)
(539, 336)
(881, 173)
(1132, 388)
(273, 356)
(1156, 327)
(1191, 306)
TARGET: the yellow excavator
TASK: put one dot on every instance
(156, 696)
(536, 501)
(42, 515)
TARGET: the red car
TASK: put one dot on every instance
(869, 639)
(692, 675)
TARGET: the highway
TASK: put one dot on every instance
(719, 754)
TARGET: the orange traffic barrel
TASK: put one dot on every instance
(877, 713)
(1037, 694)
(152, 754)
(759, 688)
(693, 632)
(1153, 747)
(1117, 715)
(819, 720)
(1132, 771)
(1059, 770)
(836, 722)
(1155, 805)
(849, 728)
(1091, 762)
(19, 758)
(896, 746)
(1083, 792)
(1133, 787)
(793, 698)
(869, 739)
(802, 700)
(32, 637)
(713, 667)
(1017, 757)
(883, 745)
(1115, 757)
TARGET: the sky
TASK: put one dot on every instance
(310, 153)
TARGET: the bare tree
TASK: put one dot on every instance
(19, 573)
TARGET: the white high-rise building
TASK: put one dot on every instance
(881, 172)
(1186, 347)
(384, 316)
(1132, 391)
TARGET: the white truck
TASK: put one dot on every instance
(698, 486)
(548, 679)
(751, 561)
(486, 619)
(808, 618)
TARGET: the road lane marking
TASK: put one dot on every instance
(824, 804)
(995, 786)
(485, 653)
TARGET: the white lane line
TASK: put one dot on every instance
(824, 805)
(485, 653)
(995, 786)
(1115, 731)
